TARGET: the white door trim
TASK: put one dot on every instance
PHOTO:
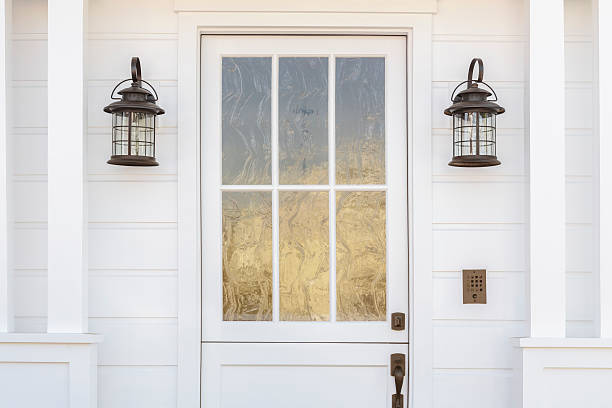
(418, 29)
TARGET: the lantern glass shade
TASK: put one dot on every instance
(474, 134)
(134, 134)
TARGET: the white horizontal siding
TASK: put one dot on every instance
(132, 211)
(479, 215)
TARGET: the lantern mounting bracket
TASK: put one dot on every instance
(136, 71)
(471, 71)
(470, 81)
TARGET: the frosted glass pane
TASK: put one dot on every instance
(304, 255)
(247, 255)
(360, 120)
(361, 246)
(246, 111)
(302, 120)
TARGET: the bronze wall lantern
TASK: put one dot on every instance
(474, 143)
(134, 121)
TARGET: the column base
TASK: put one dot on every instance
(565, 372)
(49, 369)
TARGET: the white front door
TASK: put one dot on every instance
(305, 229)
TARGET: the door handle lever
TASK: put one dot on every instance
(399, 379)
(398, 371)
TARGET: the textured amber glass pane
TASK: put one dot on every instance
(302, 120)
(246, 110)
(360, 120)
(361, 246)
(247, 256)
(304, 255)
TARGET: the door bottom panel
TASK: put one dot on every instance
(298, 375)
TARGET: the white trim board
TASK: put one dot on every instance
(418, 29)
(353, 6)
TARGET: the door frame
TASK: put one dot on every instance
(418, 30)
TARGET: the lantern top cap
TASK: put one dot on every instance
(135, 98)
(474, 98)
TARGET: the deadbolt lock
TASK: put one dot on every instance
(398, 321)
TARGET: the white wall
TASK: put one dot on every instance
(132, 212)
(479, 215)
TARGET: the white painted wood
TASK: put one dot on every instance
(133, 246)
(308, 375)
(502, 60)
(33, 95)
(496, 247)
(189, 240)
(154, 16)
(547, 177)
(580, 239)
(393, 49)
(419, 118)
(602, 12)
(48, 379)
(508, 16)
(488, 388)
(505, 202)
(355, 6)
(137, 386)
(456, 349)
(581, 305)
(67, 254)
(32, 353)
(150, 294)
(566, 372)
(6, 300)
(138, 201)
(136, 342)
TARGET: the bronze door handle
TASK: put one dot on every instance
(398, 371)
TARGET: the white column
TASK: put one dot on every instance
(602, 173)
(6, 310)
(67, 218)
(547, 168)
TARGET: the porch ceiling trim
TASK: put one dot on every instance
(348, 6)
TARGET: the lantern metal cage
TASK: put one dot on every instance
(134, 121)
(474, 122)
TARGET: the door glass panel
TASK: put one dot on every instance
(304, 255)
(361, 245)
(302, 120)
(247, 255)
(246, 111)
(360, 120)
(302, 217)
